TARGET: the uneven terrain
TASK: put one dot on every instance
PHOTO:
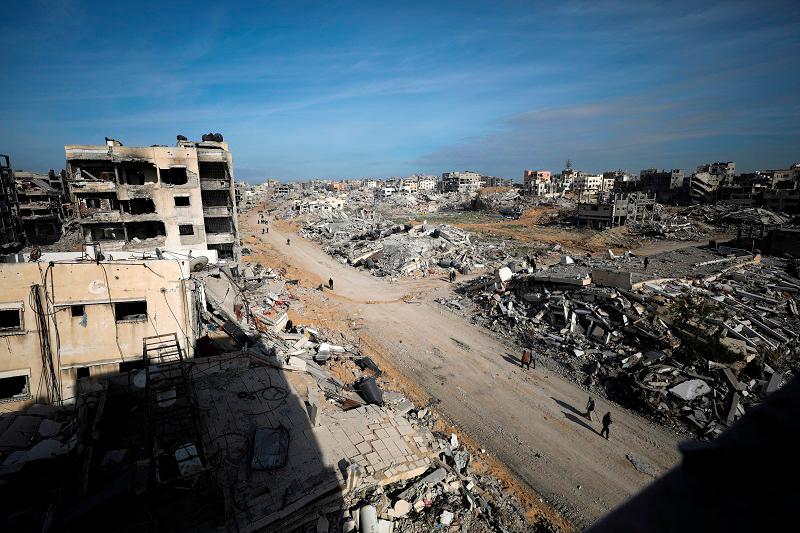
(532, 421)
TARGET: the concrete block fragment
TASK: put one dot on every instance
(690, 389)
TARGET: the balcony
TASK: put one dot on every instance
(219, 238)
(217, 211)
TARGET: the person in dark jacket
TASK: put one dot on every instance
(526, 359)
(288, 241)
(589, 408)
(330, 283)
(606, 423)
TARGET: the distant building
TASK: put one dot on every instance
(172, 197)
(536, 182)
(615, 210)
(370, 183)
(494, 181)
(284, 188)
(656, 181)
(384, 192)
(585, 182)
(466, 182)
(566, 180)
(426, 183)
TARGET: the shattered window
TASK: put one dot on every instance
(10, 320)
(186, 229)
(15, 387)
(130, 311)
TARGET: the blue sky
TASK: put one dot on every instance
(355, 89)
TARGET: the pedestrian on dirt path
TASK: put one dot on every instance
(452, 274)
(267, 228)
(646, 262)
(262, 231)
(526, 359)
(533, 357)
(330, 283)
(606, 423)
(288, 241)
(589, 408)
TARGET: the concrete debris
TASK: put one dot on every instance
(681, 338)
(691, 389)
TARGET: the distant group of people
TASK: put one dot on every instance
(528, 359)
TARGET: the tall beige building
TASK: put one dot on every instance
(171, 197)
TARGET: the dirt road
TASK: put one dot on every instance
(531, 420)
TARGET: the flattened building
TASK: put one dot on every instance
(173, 197)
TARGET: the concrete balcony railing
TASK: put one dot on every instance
(83, 187)
(217, 211)
(219, 238)
(215, 184)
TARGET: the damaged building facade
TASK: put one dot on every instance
(616, 210)
(10, 230)
(43, 205)
(68, 319)
(176, 197)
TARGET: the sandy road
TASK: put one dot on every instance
(531, 420)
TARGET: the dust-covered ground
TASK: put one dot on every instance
(531, 422)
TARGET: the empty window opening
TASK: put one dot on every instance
(215, 198)
(138, 206)
(97, 202)
(186, 229)
(213, 171)
(130, 311)
(98, 170)
(145, 230)
(137, 174)
(173, 176)
(224, 251)
(218, 225)
(10, 320)
(82, 372)
(15, 388)
(104, 233)
(182, 201)
(127, 366)
(77, 310)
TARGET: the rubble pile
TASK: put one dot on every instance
(394, 470)
(695, 348)
(365, 239)
(728, 215)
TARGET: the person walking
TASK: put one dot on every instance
(606, 423)
(533, 357)
(288, 241)
(526, 359)
(646, 262)
(330, 283)
(589, 408)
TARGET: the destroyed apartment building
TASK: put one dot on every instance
(608, 211)
(138, 198)
(43, 206)
(11, 234)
